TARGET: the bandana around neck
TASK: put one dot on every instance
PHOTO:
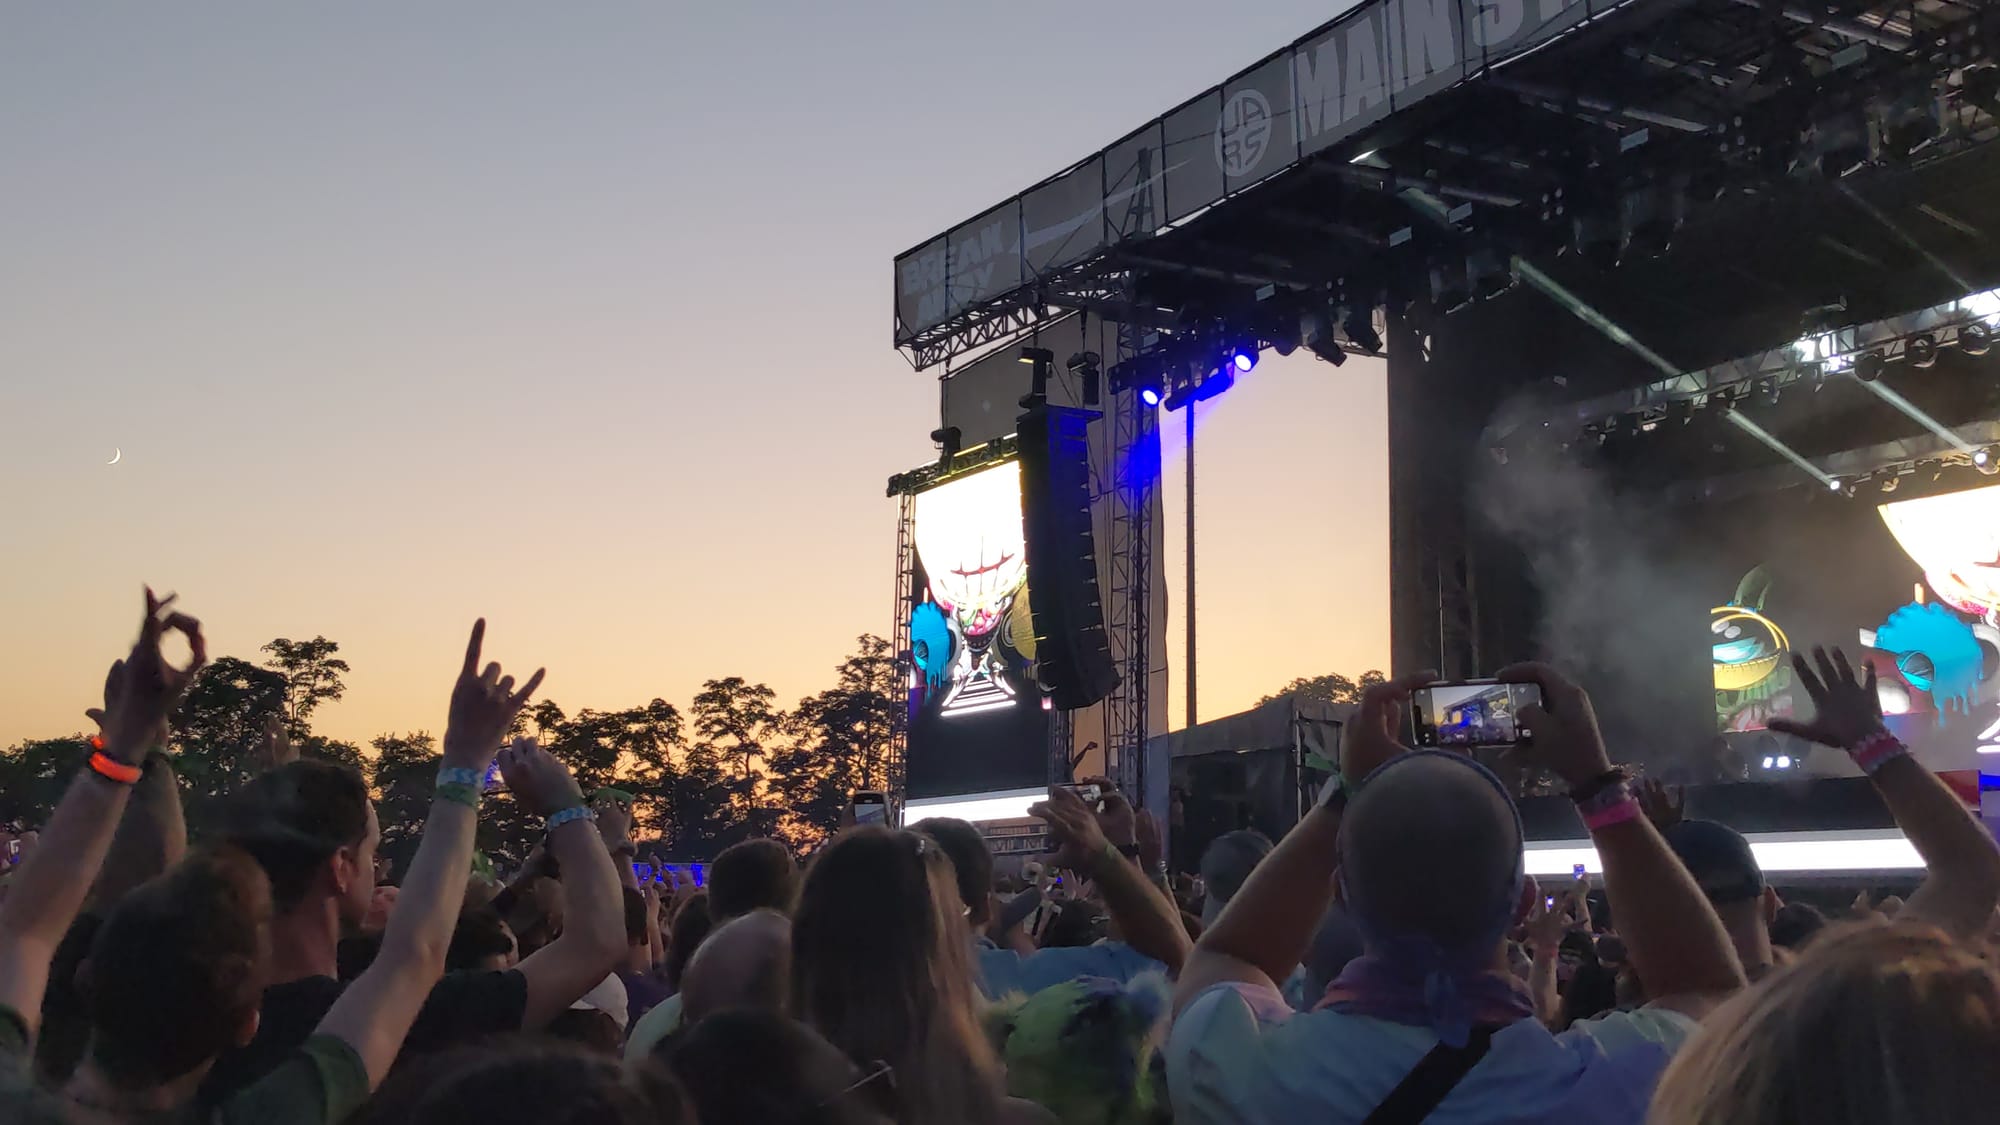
(1411, 979)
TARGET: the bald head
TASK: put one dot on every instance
(743, 963)
(1430, 848)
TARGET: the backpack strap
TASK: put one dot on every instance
(1432, 1080)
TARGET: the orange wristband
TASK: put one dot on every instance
(113, 770)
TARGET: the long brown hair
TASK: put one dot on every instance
(177, 971)
(1882, 1024)
(882, 966)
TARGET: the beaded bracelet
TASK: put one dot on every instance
(1877, 750)
(458, 793)
(558, 819)
(460, 775)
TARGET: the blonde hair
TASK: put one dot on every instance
(882, 966)
(1874, 1023)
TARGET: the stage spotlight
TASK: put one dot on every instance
(1214, 385)
(1986, 460)
(1833, 484)
(1975, 339)
(1243, 360)
(1869, 366)
(1597, 239)
(1329, 350)
(1360, 328)
(1891, 482)
(1922, 351)
(947, 440)
(1769, 761)
(1450, 289)
(1653, 215)
(1087, 367)
(1489, 273)
(1784, 761)
(1149, 395)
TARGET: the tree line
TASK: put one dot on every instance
(736, 765)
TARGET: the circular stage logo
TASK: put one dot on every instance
(1243, 132)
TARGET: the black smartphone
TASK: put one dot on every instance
(871, 807)
(1470, 713)
(1090, 792)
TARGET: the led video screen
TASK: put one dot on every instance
(976, 717)
(1908, 582)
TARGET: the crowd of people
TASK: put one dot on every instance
(1388, 960)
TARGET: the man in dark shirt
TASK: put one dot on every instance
(312, 827)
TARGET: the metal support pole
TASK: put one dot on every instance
(1192, 680)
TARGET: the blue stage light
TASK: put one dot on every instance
(1244, 361)
(1151, 396)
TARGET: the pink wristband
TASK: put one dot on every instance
(1877, 749)
(1597, 820)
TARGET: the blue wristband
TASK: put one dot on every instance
(558, 819)
(459, 775)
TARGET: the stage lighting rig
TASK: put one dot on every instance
(1654, 214)
(1488, 273)
(1922, 351)
(1975, 339)
(1359, 325)
(947, 440)
(1869, 366)
(1450, 288)
(1087, 368)
(1986, 460)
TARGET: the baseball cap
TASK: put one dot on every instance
(1719, 858)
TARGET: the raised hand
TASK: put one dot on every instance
(1566, 738)
(538, 779)
(142, 690)
(1545, 927)
(614, 823)
(1114, 812)
(1151, 851)
(1073, 828)
(1664, 807)
(483, 706)
(1846, 710)
(274, 747)
(1373, 734)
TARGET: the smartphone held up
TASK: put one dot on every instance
(871, 806)
(1471, 714)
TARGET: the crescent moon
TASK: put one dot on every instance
(116, 454)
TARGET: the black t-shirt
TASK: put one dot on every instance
(461, 1007)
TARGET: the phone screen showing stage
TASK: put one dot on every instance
(1470, 714)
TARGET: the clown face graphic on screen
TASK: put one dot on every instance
(975, 558)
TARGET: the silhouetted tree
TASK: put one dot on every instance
(217, 729)
(734, 720)
(33, 775)
(1335, 688)
(312, 676)
(838, 740)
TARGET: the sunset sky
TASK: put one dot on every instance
(576, 316)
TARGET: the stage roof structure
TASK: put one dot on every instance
(1408, 153)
